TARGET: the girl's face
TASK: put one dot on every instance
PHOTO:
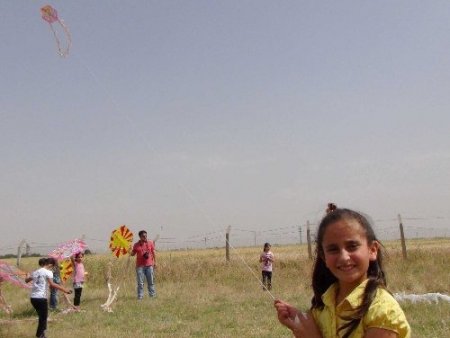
(266, 248)
(347, 253)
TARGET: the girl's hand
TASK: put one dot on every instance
(302, 325)
(286, 314)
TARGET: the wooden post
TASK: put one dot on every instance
(308, 237)
(402, 236)
(19, 251)
(300, 233)
(227, 243)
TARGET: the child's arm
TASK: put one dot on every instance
(28, 278)
(57, 286)
(301, 325)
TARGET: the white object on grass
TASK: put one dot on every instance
(427, 297)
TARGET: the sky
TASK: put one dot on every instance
(185, 117)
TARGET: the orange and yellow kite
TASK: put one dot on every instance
(121, 240)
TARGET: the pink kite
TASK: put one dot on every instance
(50, 15)
(14, 275)
(68, 249)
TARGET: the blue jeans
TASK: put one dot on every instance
(54, 293)
(145, 272)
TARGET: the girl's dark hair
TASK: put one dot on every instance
(266, 245)
(322, 278)
(50, 260)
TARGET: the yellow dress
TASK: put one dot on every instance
(384, 313)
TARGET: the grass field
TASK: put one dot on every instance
(202, 295)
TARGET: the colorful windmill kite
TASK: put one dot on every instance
(66, 269)
(13, 275)
(121, 240)
(50, 15)
(68, 249)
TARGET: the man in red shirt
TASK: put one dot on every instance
(144, 250)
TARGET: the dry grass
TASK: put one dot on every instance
(202, 295)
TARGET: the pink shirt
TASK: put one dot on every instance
(79, 273)
(266, 261)
(140, 248)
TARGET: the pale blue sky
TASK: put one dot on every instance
(195, 115)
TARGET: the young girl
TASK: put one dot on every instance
(78, 278)
(266, 259)
(42, 278)
(350, 297)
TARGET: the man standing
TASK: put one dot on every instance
(144, 250)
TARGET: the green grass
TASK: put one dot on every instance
(202, 295)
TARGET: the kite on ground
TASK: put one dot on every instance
(50, 15)
(120, 243)
(12, 274)
(121, 240)
(68, 249)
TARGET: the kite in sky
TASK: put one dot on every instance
(68, 249)
(13, 275)
(121, 240)
(50, 15)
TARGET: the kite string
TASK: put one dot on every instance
(183, 187)
(251, 270)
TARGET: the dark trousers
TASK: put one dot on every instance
(267, 279)
(41, 307)
(77, 297)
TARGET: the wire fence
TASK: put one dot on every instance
(386, 229)
(239, 236)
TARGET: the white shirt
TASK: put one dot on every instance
(40, 283)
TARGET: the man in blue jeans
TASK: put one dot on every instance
(144, 250)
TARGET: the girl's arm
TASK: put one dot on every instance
(376, 332)
(57, 286)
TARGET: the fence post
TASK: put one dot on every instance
(300, 233)
(402, 236)
(19, 251)
(227, 243)
(308, 237)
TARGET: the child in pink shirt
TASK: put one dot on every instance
(78, 278)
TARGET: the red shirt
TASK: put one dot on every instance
(142, 247)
